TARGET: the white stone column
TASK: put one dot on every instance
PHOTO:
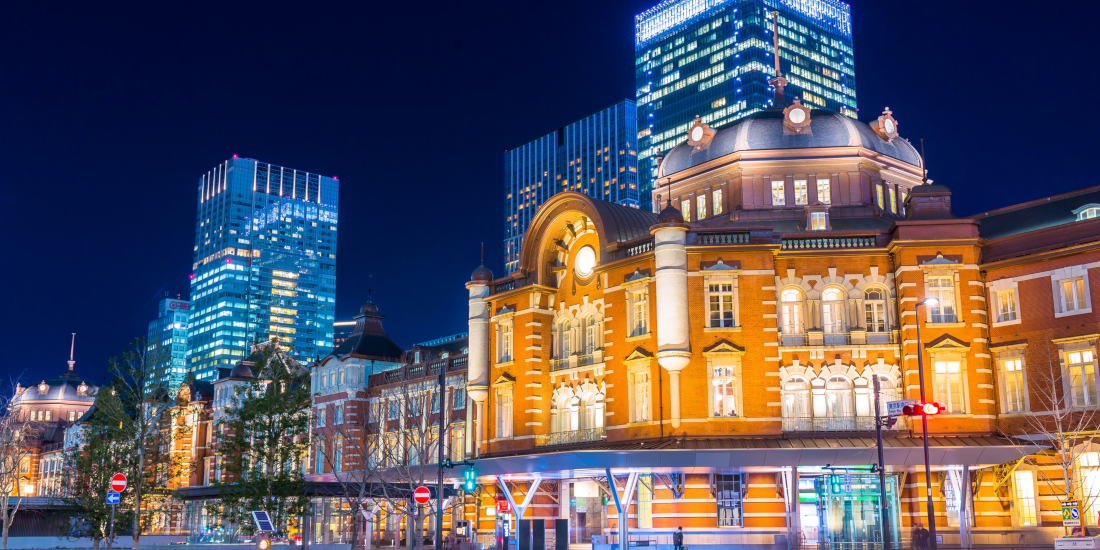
(673, 344)
(477, 374)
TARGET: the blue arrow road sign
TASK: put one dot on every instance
(114, 498)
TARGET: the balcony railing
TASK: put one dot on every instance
(570, 438)
(724, 238)
(821, 243)
(836, 338)
(944, 318)
(889, 337)
(792, 339)
(828, 424)
(577, 360)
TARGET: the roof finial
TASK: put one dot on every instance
(71, 348)
(778, 82)
(482, 252)
(923, 162)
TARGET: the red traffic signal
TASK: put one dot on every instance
(925, 409)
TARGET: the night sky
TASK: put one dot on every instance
(109, 114)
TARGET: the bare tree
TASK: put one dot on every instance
(1060, 419)
(381, 456)
(17, 431)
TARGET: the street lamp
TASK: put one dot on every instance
(924, 425)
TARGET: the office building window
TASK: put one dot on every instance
(1082, 375)
(729, 490)
(779, 198)
(1006, 305)
(949, 386)
(817, 221)
(721, 302)
(717, 202)
(800, 192)
(942, 287)
(824, 194)
(1013, 372)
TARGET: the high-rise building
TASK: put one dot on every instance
(341, 330)
(596, 155)
(169, 332)
(713, 59)
(265, 263)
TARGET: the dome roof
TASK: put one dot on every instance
(481, 275)
(242, 370)
(66, 387)
(368, 307)
(765, 131)
(670, 214)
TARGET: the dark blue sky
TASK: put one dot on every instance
(109, 113)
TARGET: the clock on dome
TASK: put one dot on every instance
(699, 134)
(886, 126)
(796, 117)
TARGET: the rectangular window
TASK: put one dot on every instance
(338, 416)
(639, 308)
(904, 194)
(641, 397)
(1024, 481)
(321, 416)
(435, 402)
(1082, 376)
(395, 408)
(1073, 294)
(1088, 466)
(1014, 384)
(949, 386)
(800, 194)
(717, 202)
(504, 354)
(504, 413)
(460, 399)
(893, 199)
(817, 221)
(878, 196)
(824, 194)
(685, 209)
(1006, 305)
(728, 490)
(645, 502)
(724, 382)
(701, 202)
(721, 304)
(779, 198)
(942, 287)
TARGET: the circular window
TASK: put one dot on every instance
(585, 261)
(697, 133)
(888, 125)
(798, 116)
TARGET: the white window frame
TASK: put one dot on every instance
(1006, 360)
(717, 200)
(637, 312)
(945, 400)
(779, 197)
(1087, 212)
(685, 209)
(640, 411)
(818, 221)
(824, 191)
(701, 206)
(833, 318)
(505, 412)
(996, 290)
(785, 307)
(1070, 361)
(729, 368)
(1071, 274)
(941, 291)
(801, 192)
(1021, 508)
(733, 295)
(505, 341)
(882, 316)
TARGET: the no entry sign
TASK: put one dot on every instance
(422, 495)
(118, 483)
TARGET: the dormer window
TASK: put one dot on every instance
(1087, 212)
(817, 221)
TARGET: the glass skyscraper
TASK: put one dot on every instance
(265, 263)
(713, 59)
(169, 331)
(596, 155)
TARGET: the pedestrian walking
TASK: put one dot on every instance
(678, 539)
(914, 536)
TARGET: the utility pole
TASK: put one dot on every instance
(883, 504)
(439, 495)
(924, 427)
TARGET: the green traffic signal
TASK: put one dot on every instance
(470, 477)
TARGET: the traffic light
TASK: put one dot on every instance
(263, 542)
(469, 477)
(922, 409)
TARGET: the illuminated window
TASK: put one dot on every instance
(286, 293)
(685, 209)
(878, 196)
(817, 221)
(283, 310)
(893, 199)
(791, 309)
(1088, 212)
(823, 192)
(284, 274)
(779, 198)
(949, 386)
(1006, 305)
(645, 502)
(942, 287)
(504, 412)
(1082, 374)
(504, 342)
(721, 304)
(1073, 294)
(1013, 372)
(717, 202)
(1024, 483)
(702, 204)
(639, 312)
(724, 385)
(728, 489)
(800, 195)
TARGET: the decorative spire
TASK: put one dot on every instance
(778, 82)
(72, 347)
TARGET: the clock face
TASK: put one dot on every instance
(585, 261)
(888, 125)
(798, 116)
(697, 133)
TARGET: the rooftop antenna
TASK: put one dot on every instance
(778, 82)
(71, 348)
(924, 163)
(369, 279)
(482, 252)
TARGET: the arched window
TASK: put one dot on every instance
(791, 308)
(563, 339)
(874, 309)
(887, 392)
(593, 417)
(796, 399)
(838, 398)
(832, 310)
(590, 336)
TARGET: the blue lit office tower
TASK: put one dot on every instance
(169, 331)
(713, 59)
(265, 263)
(596, 155)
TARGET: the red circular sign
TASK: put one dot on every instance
(422, 495)
(118, 483)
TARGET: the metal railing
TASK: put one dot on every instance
(570, 438)
(576, 360)
(793, 339)
(640, 248)
(820, 243)
(828, 424)
(560, 364)
(888, 337)
(723, 238)
(837, 338)
(506, 285)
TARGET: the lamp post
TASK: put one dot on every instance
(924, 426)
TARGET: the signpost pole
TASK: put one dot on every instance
(439, 496)
(111, 536)
(884, 506)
